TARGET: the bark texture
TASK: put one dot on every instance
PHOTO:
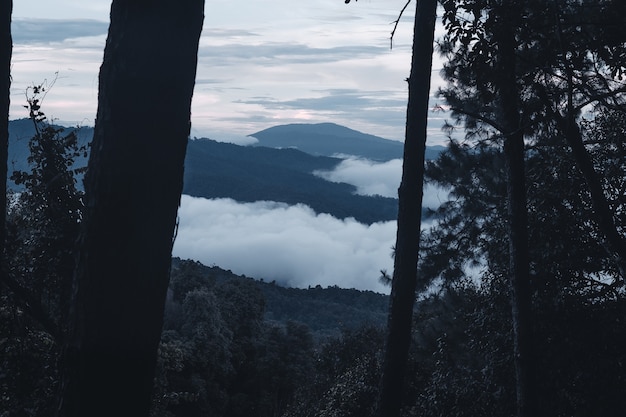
(133, 187)
(409, 214)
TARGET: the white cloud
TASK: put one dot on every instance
(379, 178)
(289, 244)
(434, 196)
(370, 178)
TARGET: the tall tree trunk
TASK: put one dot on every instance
(6, 49)
(519, 273)
(133, 187)
(409, 213)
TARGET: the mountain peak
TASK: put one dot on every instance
(329, 139)
(322, 128)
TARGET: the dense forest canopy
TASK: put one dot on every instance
(233, 346)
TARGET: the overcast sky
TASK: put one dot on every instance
(261, 64)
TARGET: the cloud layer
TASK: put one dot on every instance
(289, 244)
(376, 178)
(292, 244)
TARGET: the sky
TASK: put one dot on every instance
(261, 64)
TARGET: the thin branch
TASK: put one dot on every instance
(479, 117)
(395, 26)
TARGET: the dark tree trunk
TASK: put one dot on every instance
(409, 214)
(6, 49)
(133, 187)
(519, 273)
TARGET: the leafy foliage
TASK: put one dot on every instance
(42, 225)
(219, 357)
(43, 220)
(573, 282)
(564, 64)
(233, 346)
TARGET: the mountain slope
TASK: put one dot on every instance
(330, 139)
(254, 173)
(246, 174)
(326, 311)
(222, 170)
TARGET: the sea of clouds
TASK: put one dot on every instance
(292, 244)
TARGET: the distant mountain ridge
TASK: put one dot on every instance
(330, 139)
(272, 173)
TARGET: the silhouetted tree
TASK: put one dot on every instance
(507, 99)
(485, 87)
(6, 49)
(133, 187)
(43, 222)
(42, 227)
(524, 71)
(570, 278)
(404, 280)
(585, 68)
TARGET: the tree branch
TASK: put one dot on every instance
(395, 26)
(479, 117)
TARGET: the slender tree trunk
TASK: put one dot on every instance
(409, 214)
(519, 273)
(133, 187)
(6, 49)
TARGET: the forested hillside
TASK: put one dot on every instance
(236, 346)
(258, 173)
(325, 311)
(223, 170)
